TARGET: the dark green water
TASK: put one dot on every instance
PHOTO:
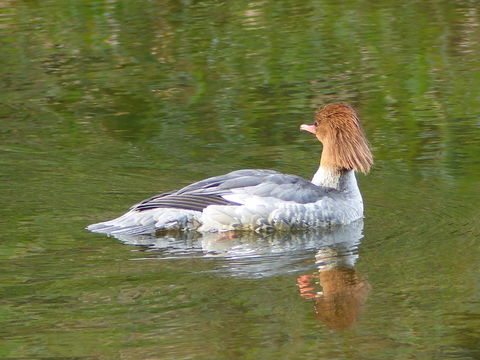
(104, 103)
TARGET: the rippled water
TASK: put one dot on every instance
(104, 103)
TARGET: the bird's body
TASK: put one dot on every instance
(255, 199)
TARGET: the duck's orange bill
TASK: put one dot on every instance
(309, 127)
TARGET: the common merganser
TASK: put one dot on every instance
(256, 199)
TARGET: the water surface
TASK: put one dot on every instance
(105, 103)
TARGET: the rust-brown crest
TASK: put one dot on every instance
(344, 143)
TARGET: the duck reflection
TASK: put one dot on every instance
(343, 291)
(337, 291)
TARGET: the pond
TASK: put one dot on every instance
(106, 102)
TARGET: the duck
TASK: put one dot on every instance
(263, 200)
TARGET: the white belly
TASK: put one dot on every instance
(260, 215)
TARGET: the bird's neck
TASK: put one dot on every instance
(332, 177)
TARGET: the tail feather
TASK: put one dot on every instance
(148, 222)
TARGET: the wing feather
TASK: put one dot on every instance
(250, 182)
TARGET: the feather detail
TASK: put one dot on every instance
(344, 143)
(182, 201)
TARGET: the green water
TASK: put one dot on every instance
(105, 103)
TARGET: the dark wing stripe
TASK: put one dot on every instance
(151, 199)
(187, 202)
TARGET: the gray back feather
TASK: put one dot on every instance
(255, 182)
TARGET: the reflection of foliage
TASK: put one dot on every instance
(226, 72)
